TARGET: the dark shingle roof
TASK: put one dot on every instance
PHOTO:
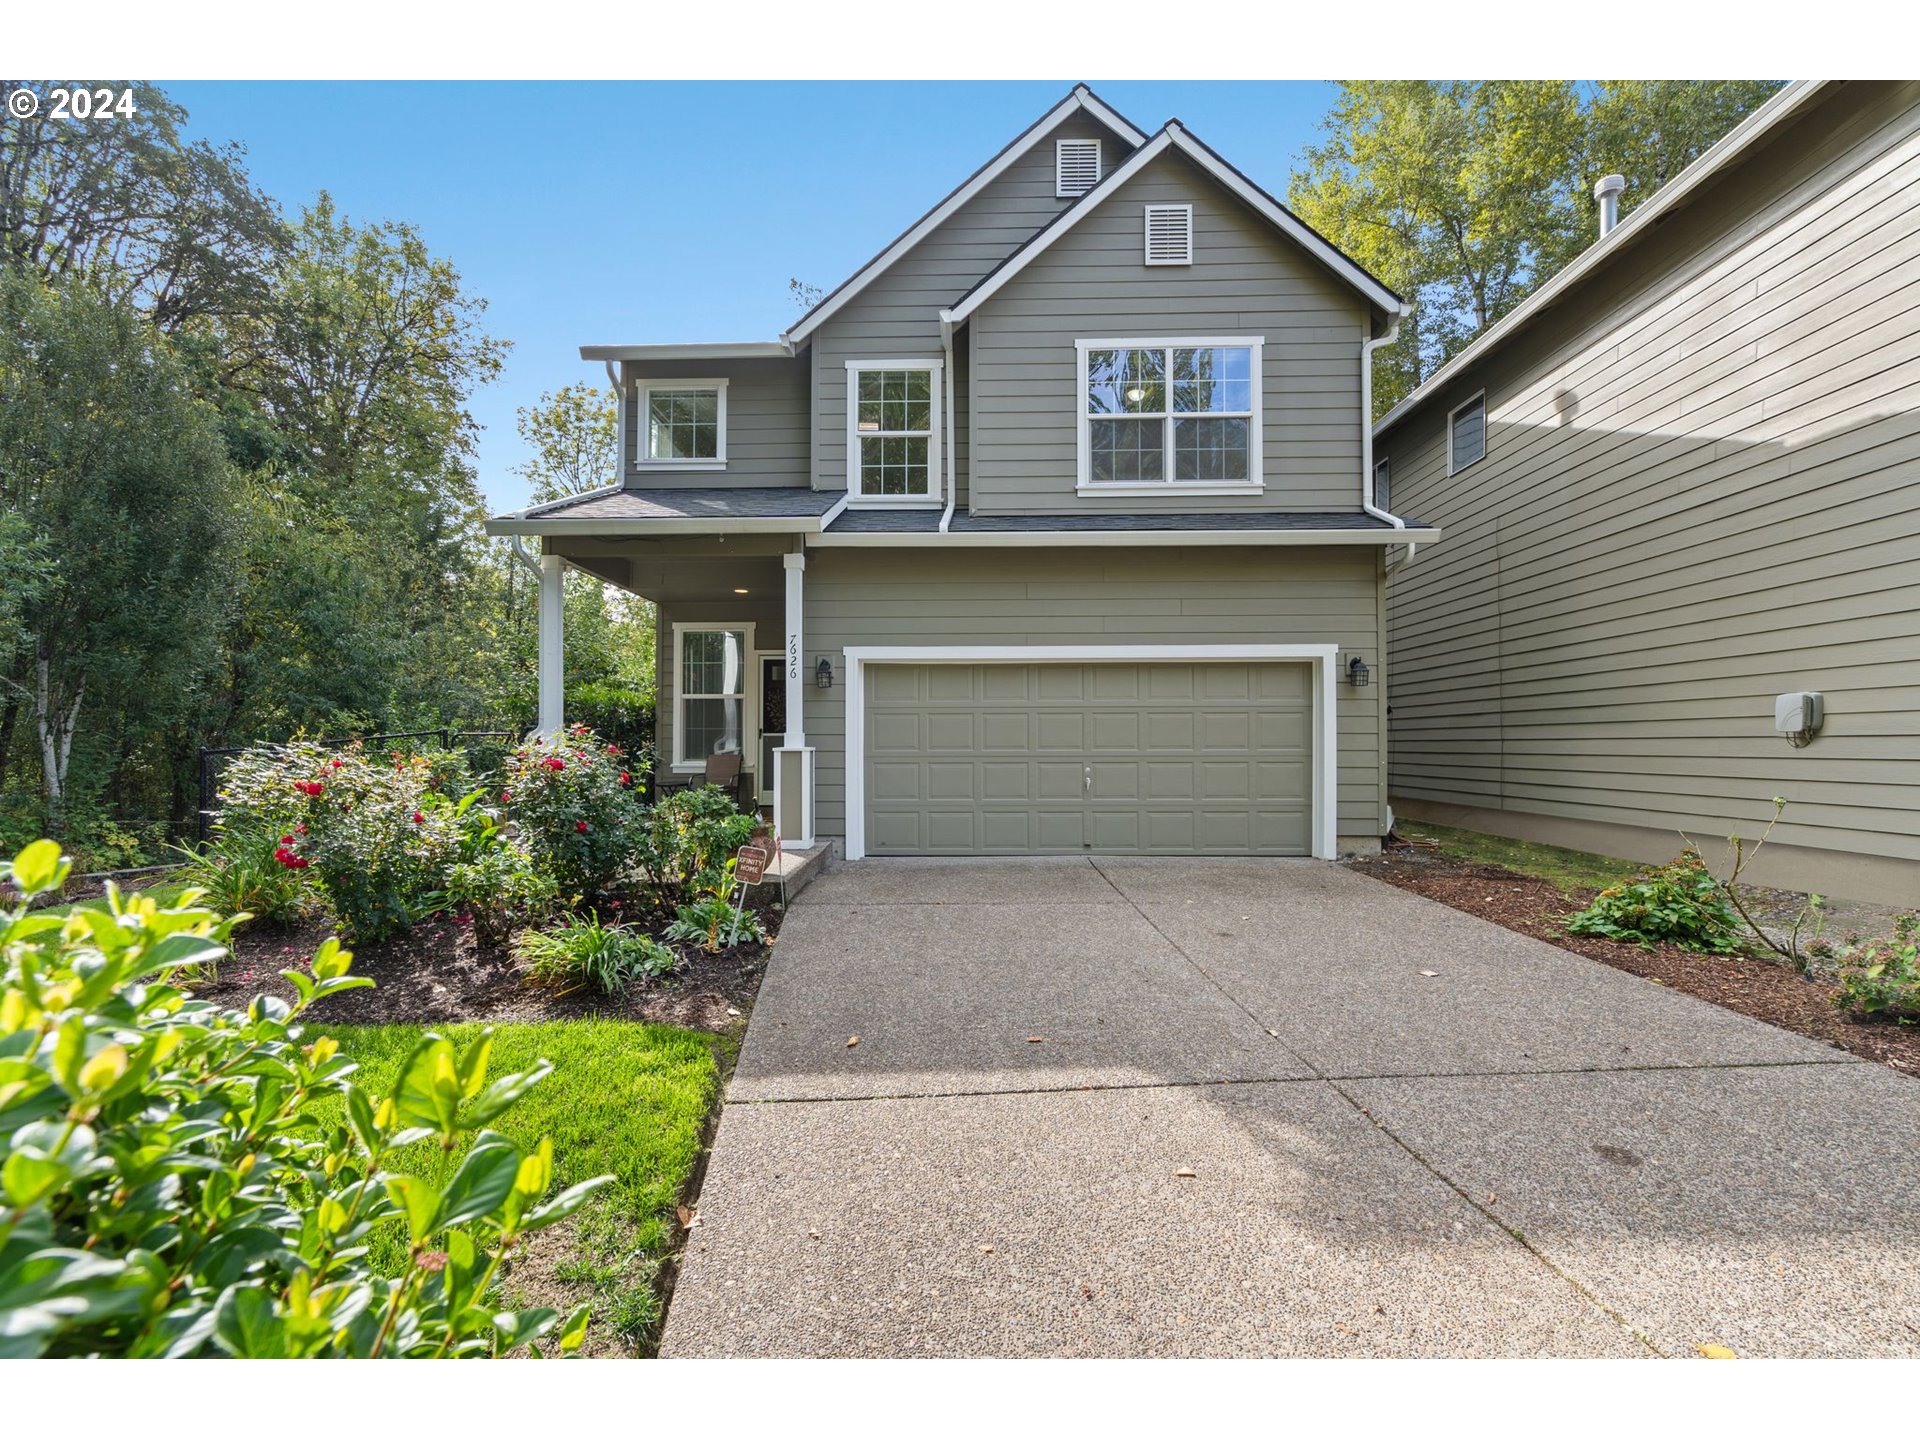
(783, 502)
(923, 522)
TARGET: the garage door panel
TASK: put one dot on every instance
(1161, 758)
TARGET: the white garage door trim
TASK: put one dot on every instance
(1326, 759)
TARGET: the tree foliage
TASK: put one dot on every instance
(571, 433)
(1466, 195)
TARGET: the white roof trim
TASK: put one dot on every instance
(718, 350)
(1073, 539)
(1721, 153)
(1176, 137)
(636, 526)
(1082, 99)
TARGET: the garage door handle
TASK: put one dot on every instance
(1086, 784)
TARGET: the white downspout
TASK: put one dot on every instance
(946, 344)
(1367, 347)
(619, 425)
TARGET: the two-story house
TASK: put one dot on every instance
(1048, 531)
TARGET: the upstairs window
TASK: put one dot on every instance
(1380, 484)
(683, 424)
(1467, 434)
(1076, 166)
(893, 448)
(1169, 231)
(1169, 415)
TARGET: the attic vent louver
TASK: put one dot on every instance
(1076, 166)
(1169, 234)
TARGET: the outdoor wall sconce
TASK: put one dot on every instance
(823, 674)
(1357, 672)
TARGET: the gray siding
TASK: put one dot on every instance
(897, 316)
(1700, 491)
(1207, 596)
(1246, 279)
(766, 421)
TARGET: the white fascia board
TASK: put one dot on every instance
(1080, 99)
(720, 350)
(1718, 155)
(1174, 137)
(808, 525)
(1060, 539)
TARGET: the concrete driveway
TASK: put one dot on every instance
(1158, 1107)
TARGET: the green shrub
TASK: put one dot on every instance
(493, 878)
(1680, 903)
(240, 876)
(715, 924)
(574, 803)
(687, 842)
(583, 951)
(617, 714)
(1882, 976)
(174, 1184)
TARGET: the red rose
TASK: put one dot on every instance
(301, 828)
(505, 796)
(554, 762)
(338, 764)
(614, 750)
(286, 839)
(418, 818)
(625, 778)
(581, 826)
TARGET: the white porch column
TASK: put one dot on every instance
(793, 761)
(553, 612)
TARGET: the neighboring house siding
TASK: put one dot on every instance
(1203, 596)
(1700, 491)
(766, 421)
(1092, 283)
(897, 315)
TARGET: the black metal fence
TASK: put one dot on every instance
(491, 744)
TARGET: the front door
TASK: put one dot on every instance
(773, 720)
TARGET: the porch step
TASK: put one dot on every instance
(799, 868)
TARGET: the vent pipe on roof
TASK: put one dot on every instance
(1607, 191)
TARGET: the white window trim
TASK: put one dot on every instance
(1146, 234)
(935, 495)
(1099, 165)
(1326, 729)
(644, 432)
(750, 715)
(1452, 414)
(1382, 470)
(1255, 482)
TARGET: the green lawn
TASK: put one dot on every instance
(625, 1099)
(1569, 869)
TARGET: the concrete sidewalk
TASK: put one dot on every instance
(1520, 1153)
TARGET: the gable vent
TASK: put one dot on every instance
(1076, 166)
(1169, 234)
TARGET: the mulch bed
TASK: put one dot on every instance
(1759, 988)
(440, 974)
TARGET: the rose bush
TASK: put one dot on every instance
(575, 803)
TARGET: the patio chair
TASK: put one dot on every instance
(722, 769)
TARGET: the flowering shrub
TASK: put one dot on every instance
(372, 834)
(575, 804)
(1882, 976)
(687, 841)
(180, 1180)
(493, 880)
(1680, 903)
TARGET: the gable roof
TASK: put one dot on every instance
(1716, 157)
(1175, 137)
(1080, 100)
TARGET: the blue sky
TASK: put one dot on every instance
(601, 213)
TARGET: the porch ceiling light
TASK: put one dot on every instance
(739, 590)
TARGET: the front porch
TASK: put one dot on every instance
(732, 661)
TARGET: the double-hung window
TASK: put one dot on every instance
(683, 425)
(893, 432)
(1169, 416)
(710, 674)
